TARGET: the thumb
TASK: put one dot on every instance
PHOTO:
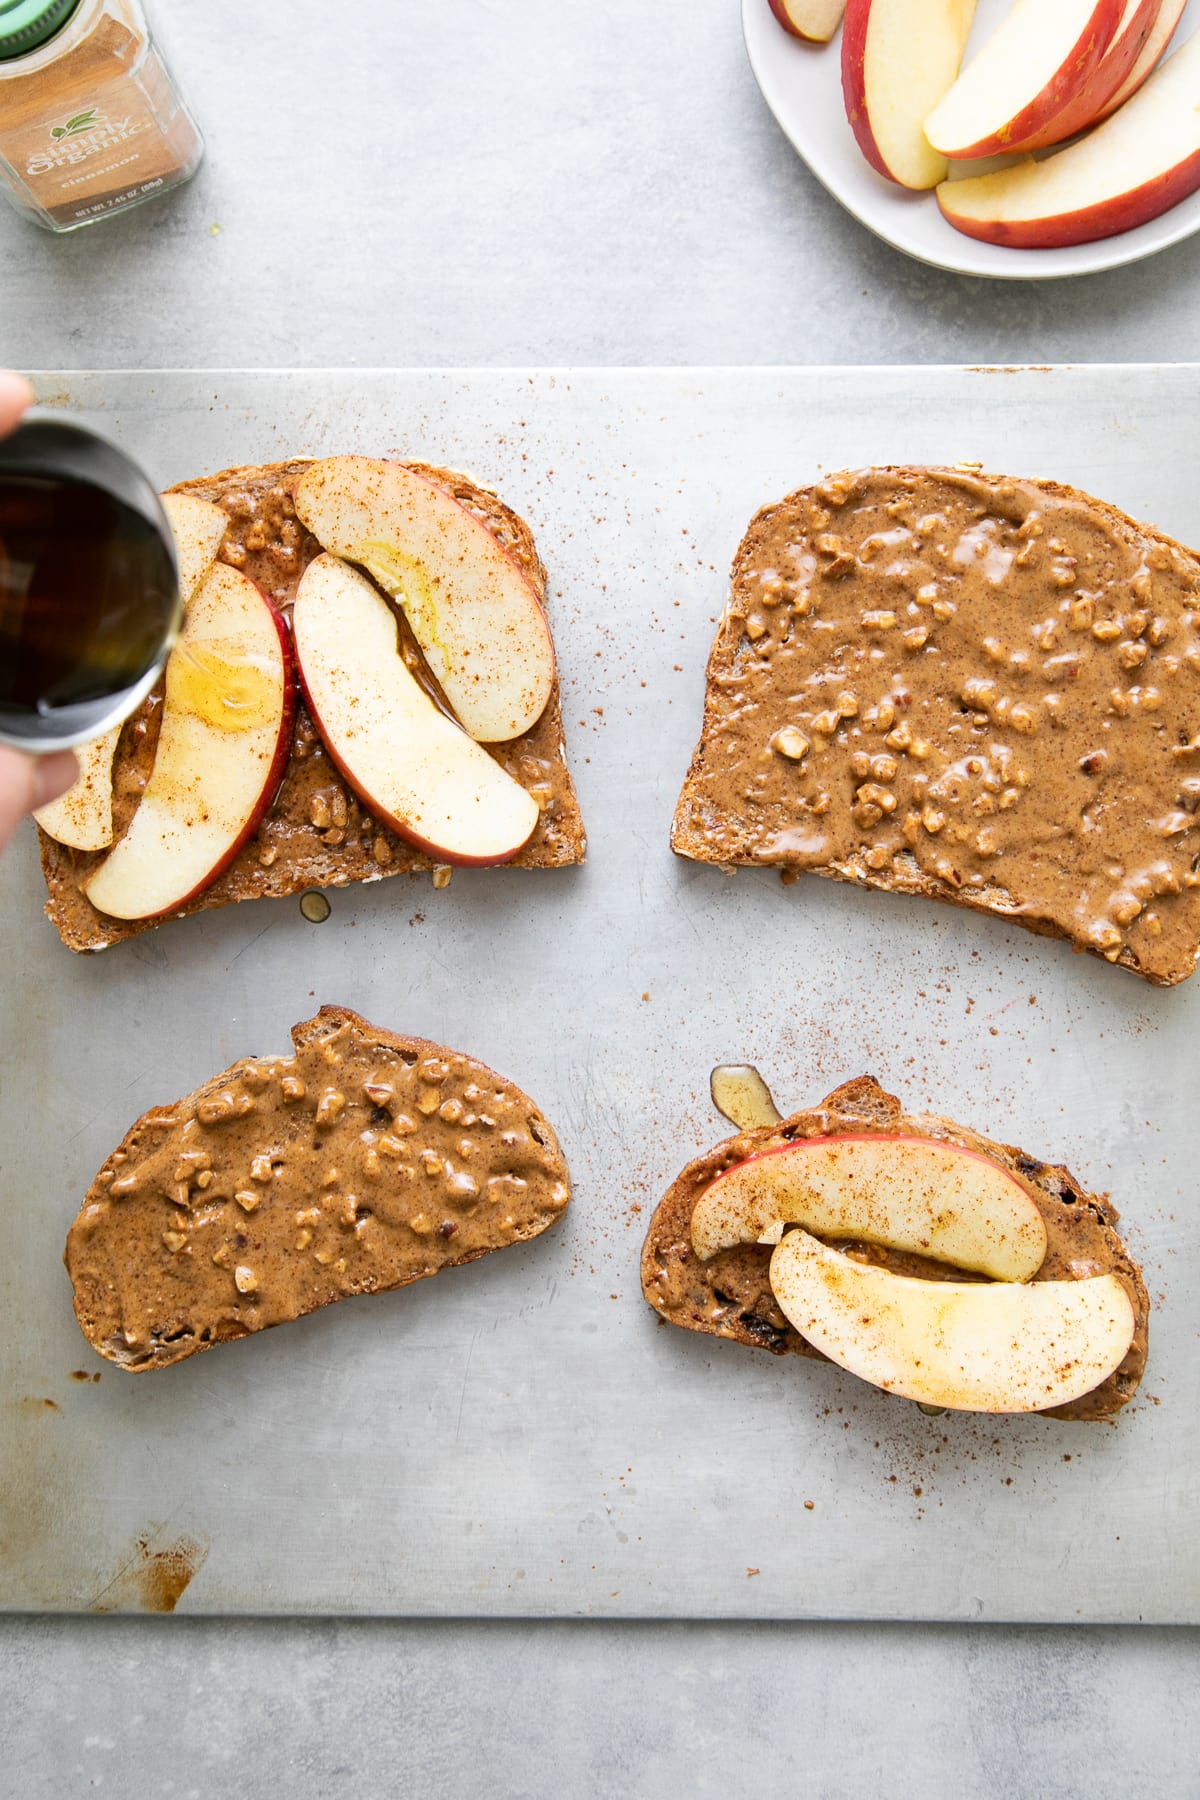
(27, 782)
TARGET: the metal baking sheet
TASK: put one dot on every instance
(523, 1436)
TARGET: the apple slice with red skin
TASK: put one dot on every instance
(412, 767)
(899, 57)
(980, 1346)
(477, 619)
(1151, 54)
(222, 750)
(1109, 74)
(1024, 75)
(1139, 163)
(82, 817)
(910, 1193)
(813, 20)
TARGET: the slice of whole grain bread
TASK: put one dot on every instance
(362, 1162)
(730, 1295)
(966, 688)
(317, 833)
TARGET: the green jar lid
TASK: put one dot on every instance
(27, 24)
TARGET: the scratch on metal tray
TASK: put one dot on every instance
(253, 941)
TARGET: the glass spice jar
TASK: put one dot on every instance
(90, 119)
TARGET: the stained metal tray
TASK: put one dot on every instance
(523, 1436)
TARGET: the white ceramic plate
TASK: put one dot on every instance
(802, 85)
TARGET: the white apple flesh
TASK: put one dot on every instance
(198, 528)
(478, 621)
(82, 817)
(909, 1193)
(1149, 56)
(222, 749)
(813, 20)
(899, 58)
(411, 765)
(1024, 75)
(993, 1347)
(1139, 163)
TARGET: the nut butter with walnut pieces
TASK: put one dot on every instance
(996, 684)
(287, 1183)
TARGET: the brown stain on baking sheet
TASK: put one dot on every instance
(154, 1578)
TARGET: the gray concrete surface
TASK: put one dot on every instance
(510, 181)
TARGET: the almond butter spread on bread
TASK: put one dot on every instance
(317, 832)
(976, 689)
(730, 1296)
(360, 1163)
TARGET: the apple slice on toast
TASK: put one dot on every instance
(934, 1210)
(910, 1193)
(222, 749)
(478, 621)
(410, 764)
(82, 818)
(980, 1346)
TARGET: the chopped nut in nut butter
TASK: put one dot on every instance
(990, 696)
(311, 1192)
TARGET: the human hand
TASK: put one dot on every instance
(26, 782)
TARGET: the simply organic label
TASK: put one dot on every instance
(83, 135)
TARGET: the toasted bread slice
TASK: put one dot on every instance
(362, 1162)
(968, 688)
(317, 833)
(730, 1294)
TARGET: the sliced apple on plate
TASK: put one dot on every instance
(410, 765)
(919, 1194)
(222, 749)
(1159, 36)
(899, 58)
(1141, 161)
(477, 619)
(1024, 75)
(997, 1347)
(82, 817)
(813, 20)
(1110, 73)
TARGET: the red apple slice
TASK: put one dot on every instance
(82, 817)
(1151, 54)
(1108, 75)
(222, 749)
(813, 20)
(980, 1346)
(919, 1194)
(899, 57)
(1024, 75)
(411, 765)
(476, 618)
(1139, 163)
